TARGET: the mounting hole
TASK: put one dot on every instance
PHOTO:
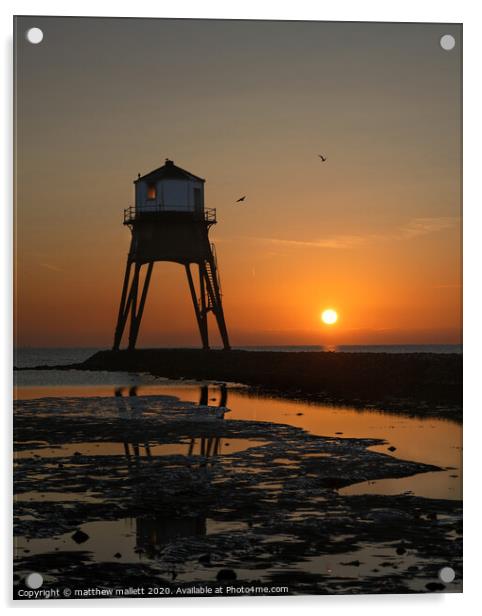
(34, 580)
(34, 36)
(447, 42)
(446, 574)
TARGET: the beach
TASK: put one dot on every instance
(208, 482)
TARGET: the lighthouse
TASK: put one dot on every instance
(169, 222)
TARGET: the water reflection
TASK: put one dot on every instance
(427, 440)
(129, 540)
(156, 533)
(206, 446)
(204, 396)
(152, 533)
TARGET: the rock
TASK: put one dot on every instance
(332, 482)
(226, 575)
(338, 432)
(117, 555)
(298, 414)
(352, 563)
(392, 448)
(400, 550)
(205, 559)
(434, 586)
(80, 537)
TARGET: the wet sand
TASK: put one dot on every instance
(164, 489)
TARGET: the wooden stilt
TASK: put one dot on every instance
(122, 308)
(197, 308)
(138, 311)
(209, 300)
(133, 304)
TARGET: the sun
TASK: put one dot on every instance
(329, 316)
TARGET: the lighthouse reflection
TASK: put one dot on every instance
(206, 447)
(153, 533)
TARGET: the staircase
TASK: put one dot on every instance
(213, 277)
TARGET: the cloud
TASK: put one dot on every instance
(426, 226)
(50, 267)
(416, 227)
(336, 241)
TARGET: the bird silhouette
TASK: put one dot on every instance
(323, 158)
(241, 199)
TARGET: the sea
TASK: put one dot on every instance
(27, 357)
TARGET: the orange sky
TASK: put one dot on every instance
(374, 232)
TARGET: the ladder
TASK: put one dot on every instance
(213, 277)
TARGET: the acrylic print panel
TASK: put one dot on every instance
(237, 320)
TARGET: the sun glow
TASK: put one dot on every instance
(329, 316)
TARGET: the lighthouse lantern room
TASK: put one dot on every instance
(169, 188)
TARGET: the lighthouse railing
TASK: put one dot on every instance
(133, 214)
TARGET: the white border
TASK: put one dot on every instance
(466, 11)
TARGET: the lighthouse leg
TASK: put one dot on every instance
(201, 320)
(137, 310)
(204, 309)
(211, 278)
(121, 318)
(133, 304)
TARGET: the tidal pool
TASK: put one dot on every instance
(428, 440)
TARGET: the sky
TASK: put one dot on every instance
(374, 232)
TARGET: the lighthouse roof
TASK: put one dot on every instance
(168, 171)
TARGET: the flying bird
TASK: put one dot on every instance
(241, 199)
(323, 158)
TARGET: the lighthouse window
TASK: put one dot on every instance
(151, 191)
(197, 198)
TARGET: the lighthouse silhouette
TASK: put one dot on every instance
(170, 223)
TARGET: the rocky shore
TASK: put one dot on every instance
(424, 383)
(136, 492)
